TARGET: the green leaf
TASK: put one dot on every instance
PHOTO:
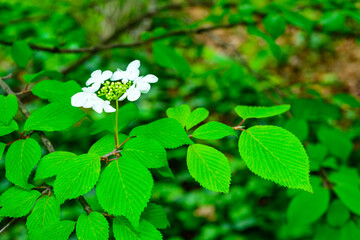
(77, 177)
(168, 132)
(336, 141)
(179, 113)
(156, 215)
(56, 91)
(54, 117)
(317, 154)
(59, 231)
(124, 189)
(16, 202)
(124, 231)
(209, 167)
(29, 78)
(106, 144)
(196, 117)
(6, 129)
(316, 205)
(20, 160)
(45, 213)
(350, 232)
(147, 151)
(299, 127)
(213, 130)
(127, 114)
(346, 187)
(167, 57)
(9, 108)
(92, 227)
(298, 20)
(333, 21)
(246, 112)
(21, 53)
(50, 164)
(337, 214)
(275, 154)
(275, 25)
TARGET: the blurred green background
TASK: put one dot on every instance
(216, 55)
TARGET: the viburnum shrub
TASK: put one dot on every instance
(117, 165)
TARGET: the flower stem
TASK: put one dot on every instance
(116, 125)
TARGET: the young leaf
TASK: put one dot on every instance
(58, 231)
(156, 215)
(147, 151)
(209, 167)
(106, 144)
(166, 56)
(213, 130)
(45, 213)
(9, 107)
(125, 188)
(179, 113)
(6, 129)
(275, 25)
(50, 164)
(127, 114)
(196, 117)
(316, 205)
(337, 214)
(246, 112)
(298, 20)
(92, 227)
(20, 160)
(16, 202)
(21, 53)
(54, 117)
(56, 91)
(168, 132)
(77, 177)
(29, 78)
(274, 153)
(123, 230)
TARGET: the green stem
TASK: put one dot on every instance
(116, 125)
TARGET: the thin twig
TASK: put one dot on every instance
(8, 224)
(85, 205)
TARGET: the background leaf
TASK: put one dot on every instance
(156, 215)
(45, 73)
(21, 53)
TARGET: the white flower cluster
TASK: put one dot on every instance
(89, 99)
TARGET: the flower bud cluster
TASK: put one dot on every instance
(113, 90)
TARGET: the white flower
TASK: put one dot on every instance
(131, 73)
(97, 78)
(89, 99)
(140, 85)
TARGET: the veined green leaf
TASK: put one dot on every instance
(77, 177)
(179, 113)
(156, 215)
(168, 132)
(246, 112)
(275, 154)
(9, 107)
(45, 213)
(45, 73)
(54, 117)
(106, 144)
(6, 129)
(209, 167)
(51, 163)
(124, 231)
(59, 231)
(147, 151)
(56, 91)
(213, 130)
(133, 184)
(196, 117)
(16, 202)
(20, 160)
(92, 227)
(21, 53)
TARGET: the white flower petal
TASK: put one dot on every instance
(117, 75)
(134, 65)
(134, 95)
(106, 75)
(96, 73)
(123, 96)
(132, 70)
(150, 78)
(78, 99)
(143, 87)
(98, 108)
(108, 108)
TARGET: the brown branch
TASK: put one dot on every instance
(85, 205)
